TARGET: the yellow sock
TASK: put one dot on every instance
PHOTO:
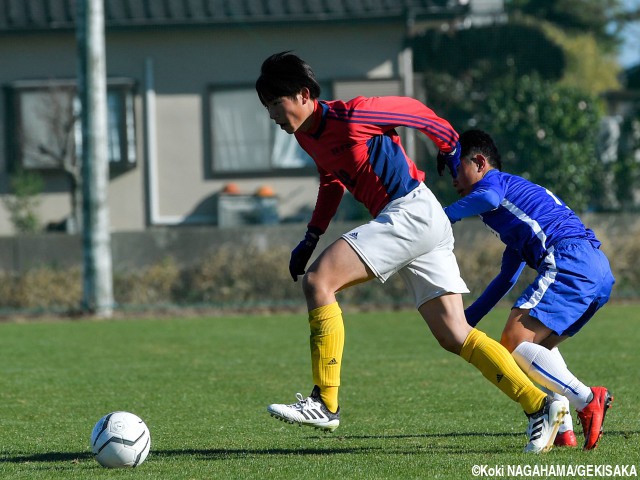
(498, 366)
(327, 344)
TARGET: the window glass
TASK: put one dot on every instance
(245, 139)
(45, 128)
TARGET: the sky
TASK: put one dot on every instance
(630, 50)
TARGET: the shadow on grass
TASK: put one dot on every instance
(224, 453)
(46, 457)
(435, 435)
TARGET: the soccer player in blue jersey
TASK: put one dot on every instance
(573, 278)
(356, 147)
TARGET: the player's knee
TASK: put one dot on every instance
(312, 285)
(449, 342)
(308, 284)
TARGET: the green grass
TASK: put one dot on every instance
(410, 410)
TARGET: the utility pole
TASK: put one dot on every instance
(92, 86)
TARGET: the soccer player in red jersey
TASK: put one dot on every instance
(356, 147)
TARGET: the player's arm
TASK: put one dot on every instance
(390, 112)
(482, 199)
(330, 193)
(510, 270)
(439, 130)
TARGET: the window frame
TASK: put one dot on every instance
(17, 158)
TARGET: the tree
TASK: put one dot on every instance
(547, 133)
(514, 48)
(534, 84)
(587, 68)
(575, 16)
(58, 112)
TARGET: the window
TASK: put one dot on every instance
(245, 140)
(44, 130)
(121, 125)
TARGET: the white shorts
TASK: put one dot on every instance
(411, 235)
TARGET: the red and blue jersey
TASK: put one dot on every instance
(356, 147)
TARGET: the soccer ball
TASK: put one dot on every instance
(120, 439)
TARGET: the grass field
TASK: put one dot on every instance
(409, 409)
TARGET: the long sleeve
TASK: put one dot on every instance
(330, 192)
(510, 270)
(391, 112)
(479, 201)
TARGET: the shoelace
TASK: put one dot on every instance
(302, 402)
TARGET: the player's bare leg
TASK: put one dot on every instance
(529, 339)
(336, 268)
(445, 317)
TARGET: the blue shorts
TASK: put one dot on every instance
(573, 282)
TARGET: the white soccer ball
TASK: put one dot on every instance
(120, 439)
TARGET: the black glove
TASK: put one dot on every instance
(451, 160)
(302, 253)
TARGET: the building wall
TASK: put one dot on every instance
(185, 63)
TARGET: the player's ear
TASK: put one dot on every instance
(305, 93)
(480, 161)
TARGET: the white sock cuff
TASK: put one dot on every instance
(525, 354)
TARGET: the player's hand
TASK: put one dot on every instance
(450, 160)
(302, 253)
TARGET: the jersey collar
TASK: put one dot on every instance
(319, 119)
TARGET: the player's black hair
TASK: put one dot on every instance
(284, 74)
(477, 141)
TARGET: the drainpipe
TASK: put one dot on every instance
(151, 143)
(406, 72)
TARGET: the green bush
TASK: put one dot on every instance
(23, 202)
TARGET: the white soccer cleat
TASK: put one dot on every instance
(310, 411)
(544, 425)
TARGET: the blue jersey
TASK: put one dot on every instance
(528, 218)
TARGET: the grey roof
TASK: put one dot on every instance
(38, 15)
